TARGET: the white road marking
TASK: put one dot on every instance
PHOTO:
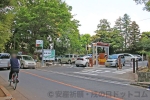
(86, 73)
(106, 71)
(119, 72)
(87, 70)
(99, 80)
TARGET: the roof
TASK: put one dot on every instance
(23, 55)
(117, 54)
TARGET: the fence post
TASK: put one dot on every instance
(137, 68)
(133, 65)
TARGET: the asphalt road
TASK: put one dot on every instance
(55, 84)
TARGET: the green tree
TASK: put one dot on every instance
(108, 35)
(144, 44)
(145, 2)
(134, 36)
(119, 26)
(126, 32)
(104, 25)
(85, 40)
(6, 19)
(40, 18)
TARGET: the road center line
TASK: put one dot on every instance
(72, 86)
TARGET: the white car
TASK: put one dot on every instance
(69, 58)
(26, 61)
(4, 60)
(82, 61)
(129, 57)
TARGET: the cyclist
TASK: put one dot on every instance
(15, 66)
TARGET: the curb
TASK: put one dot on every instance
(8, 96)
(140, 84)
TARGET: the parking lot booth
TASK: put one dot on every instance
(102, 58)
(90, 62)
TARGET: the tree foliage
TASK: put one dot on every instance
(6, 19)
(106, 34)
(145, 2)
(85, 40)
(144, 42)
(40, 18)
(134, 35)
(126, 30)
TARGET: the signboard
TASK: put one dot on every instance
(48, 54)
(19, 53)
(39, 43)
(102, 44)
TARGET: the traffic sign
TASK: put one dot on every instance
(39, 43)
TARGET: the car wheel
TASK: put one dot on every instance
(123, 64)
(22, 66)
(59, 61)
(86, 65)
(33, 68)
(77, 65)
(8, 68)
(116, 65)
(69, 62)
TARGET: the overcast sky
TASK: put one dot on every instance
(89, 12)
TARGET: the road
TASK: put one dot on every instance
(57, 83)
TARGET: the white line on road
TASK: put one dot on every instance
(99, 80)
(86, 73)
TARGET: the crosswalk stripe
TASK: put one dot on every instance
(103, 70)
(85, 73)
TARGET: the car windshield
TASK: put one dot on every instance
(113, 57)
(27, 58)
(81, 55)
(4, 56)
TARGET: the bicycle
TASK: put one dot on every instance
(14, 80)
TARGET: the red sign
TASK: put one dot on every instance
(102, 44)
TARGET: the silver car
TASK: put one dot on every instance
(26, 61)
(4, 60)
(113, 60)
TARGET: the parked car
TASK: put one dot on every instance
(113, 60)
(82, 61)
(68, 58)
(57, 58)
(90, 55)
(26, 61)
(139, 57)
(129, 57)
(4, 60)
(82, 55)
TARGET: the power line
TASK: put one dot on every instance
(144, 19)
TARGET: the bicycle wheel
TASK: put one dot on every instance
(15, 81)
(10, 83)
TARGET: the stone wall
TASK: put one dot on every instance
(143, 76)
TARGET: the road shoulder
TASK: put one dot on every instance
(15, 93)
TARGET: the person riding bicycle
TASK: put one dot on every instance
(15, 66)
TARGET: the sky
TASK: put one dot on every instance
(89, 13)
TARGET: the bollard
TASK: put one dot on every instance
(90, 62)
(120, 66)
(137, 68)
(119, 63)
(133, 65)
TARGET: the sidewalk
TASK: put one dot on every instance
(128, 76)
(15, 93)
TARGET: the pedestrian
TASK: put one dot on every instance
(14, 66)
